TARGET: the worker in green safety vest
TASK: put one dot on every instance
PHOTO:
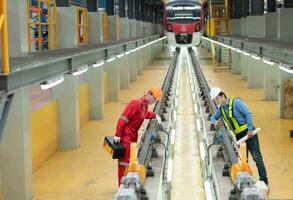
(239, 119)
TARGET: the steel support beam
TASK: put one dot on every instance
(257, 7)
(137, 10)
(271, 5)
(245, 8)
(63, 3)
(92, 5)
(122, 8)
(130, 9)
(110, 7)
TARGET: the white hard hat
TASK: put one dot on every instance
(214, 92)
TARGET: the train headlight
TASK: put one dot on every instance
(169, 28)
(197, 28)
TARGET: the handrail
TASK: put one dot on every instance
(4, 37)
(82, 25)
(39, 24)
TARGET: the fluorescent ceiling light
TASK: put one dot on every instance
(208, 191)
(198, 127)
(172, 136)
(239, 50)
(290, 71)
(202, 151)
(255, 57)
(52, 82)
(127, 52)
(269, 62)
(120, 55)
(111, 59)
(98, 64)
(246, 53)
(133, 50)
(80, 71)
(170, 170)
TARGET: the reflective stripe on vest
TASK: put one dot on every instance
(125, 164)
(124, 118)
(230, 119)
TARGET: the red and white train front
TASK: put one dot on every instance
(183, 22)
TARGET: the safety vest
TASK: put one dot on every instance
(230, 119)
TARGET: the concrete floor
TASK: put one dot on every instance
(88, 172)
(276, 144)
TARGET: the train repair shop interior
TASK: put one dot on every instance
(146, 99)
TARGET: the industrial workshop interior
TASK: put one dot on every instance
(146, 99)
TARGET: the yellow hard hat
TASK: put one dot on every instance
(157, 92)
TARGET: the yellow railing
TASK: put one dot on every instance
(219, 22)
(82, 26)
(119, 28)
(105, 27)
(4, 37)
(39, 24)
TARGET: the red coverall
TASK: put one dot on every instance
(127, 126)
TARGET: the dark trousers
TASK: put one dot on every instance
(252, 145)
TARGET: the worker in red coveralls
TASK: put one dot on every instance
(130, 121)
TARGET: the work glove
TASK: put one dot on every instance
(158, 118)
(116, 139)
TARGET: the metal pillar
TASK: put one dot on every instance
(257, 7)
(92, 5)
(15, 148)
(63, 3)
(271, 5)
(245, 8)
(110, 7)
(68, 112)
(151, 14)
(142, 10)
(288, 4)
(122, 8)
(237, 9)
(96, 92)
(130, 9)
(137, 9)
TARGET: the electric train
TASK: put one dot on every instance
(183, 22)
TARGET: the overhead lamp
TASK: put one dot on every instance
(52, 82)
(198, 127)
(202, 151)
(208, 191)
(120, 55)
(111, 59)
(269, 62)
(172, 141)
(133, 50)
(232, 48)
(239, 50)
(80, 71)
(255, 57)
(170, 170)
(246, 53)
(285, 68)
(127, 52)
(98, 64)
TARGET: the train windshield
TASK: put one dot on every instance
(183, 13)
